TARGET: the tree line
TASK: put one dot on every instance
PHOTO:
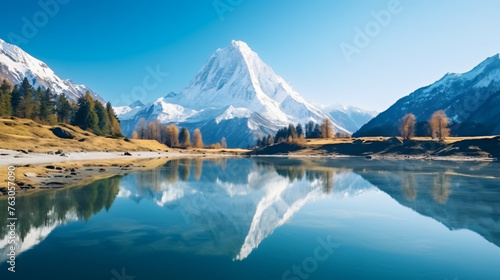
(438, 129)
(298, 133)
(171, 136)
(24, 101)
(438, 126)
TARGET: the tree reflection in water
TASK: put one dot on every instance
(38, 214)
(239, 202)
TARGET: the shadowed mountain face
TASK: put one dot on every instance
(470, 100)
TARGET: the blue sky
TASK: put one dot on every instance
(109, 45)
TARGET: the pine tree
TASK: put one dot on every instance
(16, 99)
(310, 129)
(46, 105)
(5, 99)
(64, 109)
(24, 103)
(264, 141)
(292, 131)
(115, 123)
(104, 122)
(300, 130)
(86, 117)
(35, 102)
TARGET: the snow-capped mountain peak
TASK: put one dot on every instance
(236, 76)
(16, 64)
(235, 95)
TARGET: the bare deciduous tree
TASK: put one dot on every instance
(326, 128)
(215, 146)
(135, 135)
(407, 126)
(140, 127)
(223, 143)
(154, 129)
(172, 135)
(197, 141)
(163, 132)
(439, 123)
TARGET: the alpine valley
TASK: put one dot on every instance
(237, 96)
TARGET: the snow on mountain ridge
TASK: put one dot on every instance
(16, 64)
(450, 78)
(234, 95)
(470, 100)
(236, 76)
(350, 117)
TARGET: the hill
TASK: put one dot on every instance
(28, 135)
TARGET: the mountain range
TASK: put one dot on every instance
(471, 101)
(16, 64)
(237, 96)
(350, 117)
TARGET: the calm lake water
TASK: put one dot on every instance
(266, 218)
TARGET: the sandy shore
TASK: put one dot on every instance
(38, 171)
(8, 157)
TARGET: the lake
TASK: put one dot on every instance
(266, 218)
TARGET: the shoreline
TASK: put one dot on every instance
(17, 158)
(39, 172)
(386, 157)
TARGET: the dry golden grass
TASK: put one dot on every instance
(220, 151)
(321, 141)
(447, 140)
(28, 135)
(24, 134)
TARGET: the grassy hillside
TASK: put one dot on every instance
(30, 136)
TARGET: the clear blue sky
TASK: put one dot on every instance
(108, 45)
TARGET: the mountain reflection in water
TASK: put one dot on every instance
(229, 206)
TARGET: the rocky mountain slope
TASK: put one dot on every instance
(235, 95)
(470, 100)
(16, 64)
